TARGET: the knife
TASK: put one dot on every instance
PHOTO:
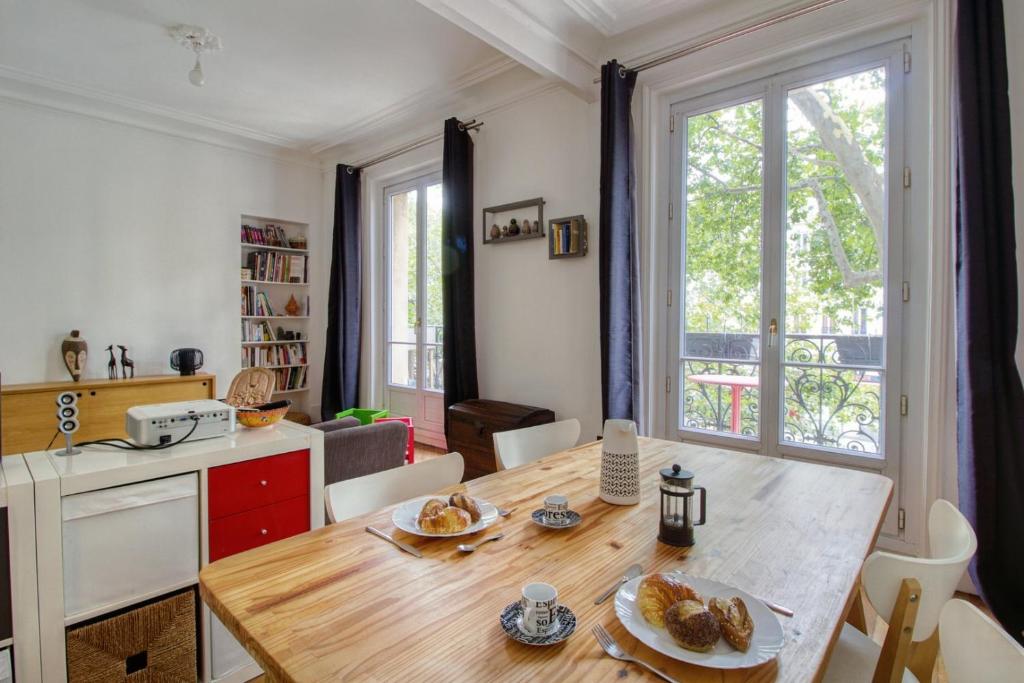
(631, 573)
(776, 607)
(404, 546)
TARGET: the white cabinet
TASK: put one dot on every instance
(130, 542)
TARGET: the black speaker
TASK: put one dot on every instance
(186, 361)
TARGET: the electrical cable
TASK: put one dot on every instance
(129, 446)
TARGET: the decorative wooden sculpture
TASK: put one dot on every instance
(111, 364)
(126, 362)
(75, 351)
(251, 387)
(292, 307)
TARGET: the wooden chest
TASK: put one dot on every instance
(473, 423)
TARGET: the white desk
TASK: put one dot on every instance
(16, 494)
(102, 467)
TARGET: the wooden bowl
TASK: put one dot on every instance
(260, 418)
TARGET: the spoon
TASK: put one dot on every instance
(502, 512)
(470, 547)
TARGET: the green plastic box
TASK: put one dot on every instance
(365, 416)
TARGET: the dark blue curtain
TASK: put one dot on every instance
(989, 394)
(618, 252)
(459, 343)
(341, 359)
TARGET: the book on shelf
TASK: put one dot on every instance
(255, 303)
(270, 266)
(290, 379)
(268, 236)
(270, 356)
(257, 331)
(574, 236)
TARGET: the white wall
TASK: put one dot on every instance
(132, 237)
(536, 319)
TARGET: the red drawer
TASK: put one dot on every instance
(255, 483)
(253, 528)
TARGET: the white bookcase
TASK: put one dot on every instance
(278, 270)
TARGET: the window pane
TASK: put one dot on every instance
(835, 262)
(721, 342)
(403, 364)
(402, 316)
(433, 312)
(433, 367)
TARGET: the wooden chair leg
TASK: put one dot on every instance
(922, 657)
(896, 648)
(856, 617)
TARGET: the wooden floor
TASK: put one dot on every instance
(425, 452)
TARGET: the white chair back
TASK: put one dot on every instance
(953, 544)
(976, 649)
(521, 446)
(354, 497)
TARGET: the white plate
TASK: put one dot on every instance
(407, 513)
(765, 644)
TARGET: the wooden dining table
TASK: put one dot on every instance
(338, 604)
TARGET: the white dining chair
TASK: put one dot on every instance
(975, 649)
(908, 593)
(353, 497)
(522, 446)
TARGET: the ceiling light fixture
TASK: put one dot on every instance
(199, 40)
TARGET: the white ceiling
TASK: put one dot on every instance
(300, 73)
(313, 75)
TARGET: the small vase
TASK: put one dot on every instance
(620, 463)
(75, 351)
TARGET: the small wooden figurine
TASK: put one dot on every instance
(292, 307)
(495, 232)
(126, 362)
(111, 364)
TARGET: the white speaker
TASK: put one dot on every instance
(67, 419)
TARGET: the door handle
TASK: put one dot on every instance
(773, 332)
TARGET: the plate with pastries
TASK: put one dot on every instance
(699, 621)
(437, 516)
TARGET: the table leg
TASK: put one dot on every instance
(737, 392)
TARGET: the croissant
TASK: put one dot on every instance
(733, 617)
(461, 500)
(449, 521)
(692, 626)
(431, 508)
(658, 592)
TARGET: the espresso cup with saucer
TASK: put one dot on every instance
(556, 509)
(539, 606)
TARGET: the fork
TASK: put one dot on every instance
(609, 645)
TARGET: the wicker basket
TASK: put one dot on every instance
(152, 643)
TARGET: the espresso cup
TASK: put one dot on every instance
(556, 509)
(539, 602)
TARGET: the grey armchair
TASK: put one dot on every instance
(355, 450)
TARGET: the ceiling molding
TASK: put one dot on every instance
(409, 107)
(507, 27)
(11, 79)
(594, 14)
(33, 90)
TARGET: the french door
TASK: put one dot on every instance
(414, 353)
(787, 254)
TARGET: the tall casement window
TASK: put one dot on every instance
(787, 255)
(415, 370)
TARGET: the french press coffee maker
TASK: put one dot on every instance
(677, 491)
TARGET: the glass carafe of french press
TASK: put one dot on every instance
(677, 492)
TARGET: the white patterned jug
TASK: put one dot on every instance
(620, 463)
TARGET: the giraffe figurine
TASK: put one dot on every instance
(126, 362)
(111, 364)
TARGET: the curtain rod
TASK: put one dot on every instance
(717, 40)
(468, 125)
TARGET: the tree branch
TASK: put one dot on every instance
(851, 277)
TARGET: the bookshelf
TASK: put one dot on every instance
(274, 269)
